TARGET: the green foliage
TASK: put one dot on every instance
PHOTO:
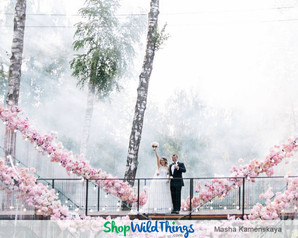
(160, 37)
(69, 143)
(179, 128)
(106, 153)
(169, 145)
(105, 45)
(40, 78)
(2, 73)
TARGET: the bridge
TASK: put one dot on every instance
(86, 198)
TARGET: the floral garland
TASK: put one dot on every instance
(80, 167)
(45, 201)
(221, 187)
(218, 187)
(38, 196)
(273, 208)
(35, 195)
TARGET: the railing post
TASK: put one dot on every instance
(190, 196)
(243, 196)
(86, 204)
(98, 193)
(53, 183)
(138, 205)
(239, 197)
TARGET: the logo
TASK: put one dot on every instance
(149, 227)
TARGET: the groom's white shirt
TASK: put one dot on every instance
(174, 168)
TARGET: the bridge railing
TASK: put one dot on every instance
(85, 197)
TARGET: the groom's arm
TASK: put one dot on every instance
(182, 168)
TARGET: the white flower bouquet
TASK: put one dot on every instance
(154, 144)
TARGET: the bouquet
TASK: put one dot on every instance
(154, 145)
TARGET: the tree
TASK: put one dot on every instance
(3, 82)
(14, 77)
(108, 51)
(154, 41)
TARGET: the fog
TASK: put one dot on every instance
(223, 85)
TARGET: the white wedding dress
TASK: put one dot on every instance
(159, 193)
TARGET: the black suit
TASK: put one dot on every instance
(176, 185)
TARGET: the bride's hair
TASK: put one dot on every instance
(165, 159)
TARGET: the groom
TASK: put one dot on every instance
(176, 170)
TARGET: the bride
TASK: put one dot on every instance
(159, 194)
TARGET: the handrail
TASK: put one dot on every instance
(237, 197)
(43, 179)
(144, 178)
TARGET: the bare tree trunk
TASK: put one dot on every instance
(137, 125)
(88, 118)
(14, 77)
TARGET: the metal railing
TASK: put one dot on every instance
(60, 193)
(89, 199)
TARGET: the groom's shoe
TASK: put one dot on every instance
(173, 212)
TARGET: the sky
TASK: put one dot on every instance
(222, 49)
(225, 49)
(237, 55)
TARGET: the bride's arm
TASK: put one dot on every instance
(157, 158)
